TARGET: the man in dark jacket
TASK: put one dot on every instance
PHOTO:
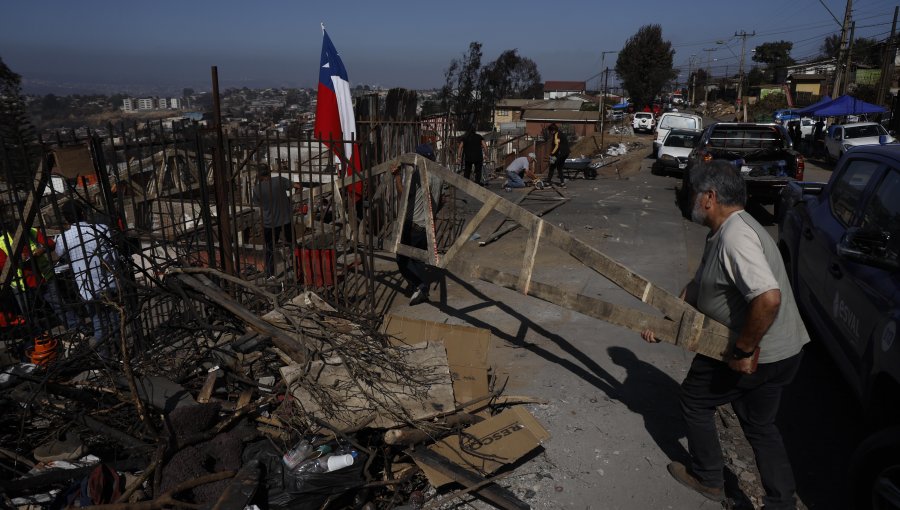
(471, 155)
(559, 151)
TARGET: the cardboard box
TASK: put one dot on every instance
(486, 446)
(467, 350)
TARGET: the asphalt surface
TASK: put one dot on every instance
(612, 406)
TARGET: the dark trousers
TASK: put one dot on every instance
(558, 166)
(755, 399)
(39, 320)
(469, 166)
(412, 270)
(271, 235)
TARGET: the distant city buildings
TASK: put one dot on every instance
(143, 104)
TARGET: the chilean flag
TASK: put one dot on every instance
(334, 111)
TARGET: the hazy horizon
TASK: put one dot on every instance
(112, 46)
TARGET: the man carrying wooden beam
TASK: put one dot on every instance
(743, 284)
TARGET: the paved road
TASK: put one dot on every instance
(613, 412)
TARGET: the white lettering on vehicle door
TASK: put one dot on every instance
(845, 315)
(888, 335)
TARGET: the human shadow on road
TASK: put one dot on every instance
(646, 389)
(651, 393)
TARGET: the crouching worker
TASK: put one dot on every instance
(519, 169)
(90, 252)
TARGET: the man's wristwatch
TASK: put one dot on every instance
(739, 354)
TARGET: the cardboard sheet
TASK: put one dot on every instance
(467, 350)
(491, 444)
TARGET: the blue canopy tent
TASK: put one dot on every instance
(811, 108)
(846, 105)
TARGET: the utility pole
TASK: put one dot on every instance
(839, 80)
(602, 108)
(691, 76)
(740, 90)
(886, 62)
(605, 83)
(849, 56)
(706, 83)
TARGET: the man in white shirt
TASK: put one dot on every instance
(742, 283)
(520, 168)
(90, 252)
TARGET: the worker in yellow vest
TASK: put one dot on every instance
(33, 278)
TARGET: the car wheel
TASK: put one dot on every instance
(875, 471)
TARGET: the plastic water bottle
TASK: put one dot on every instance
(325, 464)
(297, 454)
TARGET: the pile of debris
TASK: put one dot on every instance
(302, 407)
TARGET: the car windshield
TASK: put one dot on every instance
(682, 140)
(678, 122)
(864, 131)
(642, 115)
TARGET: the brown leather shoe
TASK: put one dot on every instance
(680, 473)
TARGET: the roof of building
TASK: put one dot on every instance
(556, 104)
(576, 86)
(807, 77)
(515, 103)
(559, 116)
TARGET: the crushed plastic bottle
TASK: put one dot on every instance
(325, 464)
(299, 453)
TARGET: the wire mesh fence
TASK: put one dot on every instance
(90, 240)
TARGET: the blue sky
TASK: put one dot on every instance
(388, 43)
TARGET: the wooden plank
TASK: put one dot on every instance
(498, 234)
(425, 188)
(208, 386)
(401, 214)
(29, 212)
(709, 341)
(497, 495)
(293, 347)
(470, 229)
(243, 399)
(528, 258)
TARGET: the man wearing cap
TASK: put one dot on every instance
(519, 168)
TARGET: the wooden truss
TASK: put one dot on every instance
(681, 325)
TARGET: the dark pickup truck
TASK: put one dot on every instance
(841, 246)
(762, 153)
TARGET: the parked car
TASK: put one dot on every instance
(843, 136)
(674, 120)
(617, 115)
(841, 246)
(643, 121)
(673, 154)
(762, 152)
(784, 115)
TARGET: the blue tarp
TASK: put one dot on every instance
(620, 106)
(846, 105)
(811, 108)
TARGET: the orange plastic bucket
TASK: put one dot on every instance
(44, 351)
